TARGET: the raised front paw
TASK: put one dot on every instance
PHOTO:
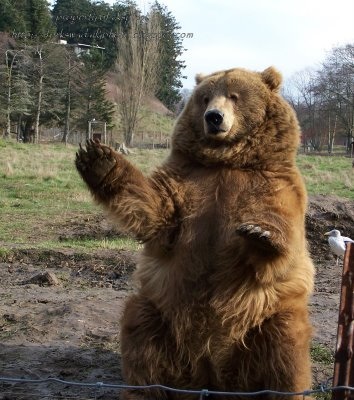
(254, 231)
(95, 162)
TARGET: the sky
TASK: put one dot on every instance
(288, 34)
(291, 35)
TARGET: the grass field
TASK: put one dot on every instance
(328, 175)
(40, 189)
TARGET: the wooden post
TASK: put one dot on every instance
(344, 358)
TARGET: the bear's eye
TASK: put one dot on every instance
(234, 97)
(205, 100)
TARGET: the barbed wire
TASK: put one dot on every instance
(323, 388)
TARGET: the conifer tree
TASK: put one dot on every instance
(72, 19)
(94, 104)
(26, 20)
(39, 20)
(170, 66)
(13, 16)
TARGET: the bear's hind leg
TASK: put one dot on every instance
(146, 348)
(276, 357)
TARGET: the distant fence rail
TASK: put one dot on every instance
(143, 140)
(202, 393)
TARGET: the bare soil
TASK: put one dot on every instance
(60, 310)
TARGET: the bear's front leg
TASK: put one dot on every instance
(141, 206)
(95, 163)
(264, 236)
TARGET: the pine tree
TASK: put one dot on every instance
(14, 88)
(26, 19)
(39, 20)
(96, 23)
(42, 68)
(13, 16)
(72, 19)
(92, 92)
(170, 66)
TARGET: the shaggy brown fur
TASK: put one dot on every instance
(224, 277)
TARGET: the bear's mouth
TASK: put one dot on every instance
(214, 130)
(216, 134)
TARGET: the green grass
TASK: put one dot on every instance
(153, 123)
(4, 253)
(151, 126)
(328, 175)
(324, 358)
(93, 244)
(147, 160)
(321, 354)
(41, 190)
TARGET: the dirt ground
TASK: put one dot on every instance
(59, 310)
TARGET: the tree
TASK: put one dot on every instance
(73, 67)
(39, 84)
(338, 78)
(14, 87)
(26, 20)
(170, 65)
(136, 65)
(72, 19)
(43, 69)
(39, 20)
(92, 92)
(306, 105)
(325, 99)
(12, 16)
(11, 57)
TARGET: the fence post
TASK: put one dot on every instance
(343, 374)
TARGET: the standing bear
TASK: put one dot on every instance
(224, 279)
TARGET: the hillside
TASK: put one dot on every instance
(151, 103)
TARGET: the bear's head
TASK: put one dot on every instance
(237, 117)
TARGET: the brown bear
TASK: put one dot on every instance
(225, 276)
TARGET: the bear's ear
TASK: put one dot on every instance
(199, 78)
(272, 78)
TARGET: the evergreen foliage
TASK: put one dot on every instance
(170, 65)
(92, 92)
(26, 20)
(43, 82)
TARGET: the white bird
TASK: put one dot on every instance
(337, 243)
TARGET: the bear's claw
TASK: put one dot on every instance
(253, 230)
(95, 162)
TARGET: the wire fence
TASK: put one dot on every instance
(98, 387)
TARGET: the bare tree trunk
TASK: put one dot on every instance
(19, 123)
(8, 110)
(88, 125)
(9, 69)
(331, 133)
(39, 97)
(72, 66)
(67, 114)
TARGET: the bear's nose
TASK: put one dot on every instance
(214, 118)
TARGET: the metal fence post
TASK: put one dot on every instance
(344, 361)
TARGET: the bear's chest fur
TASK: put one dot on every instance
(206, 242)
(215, 204)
